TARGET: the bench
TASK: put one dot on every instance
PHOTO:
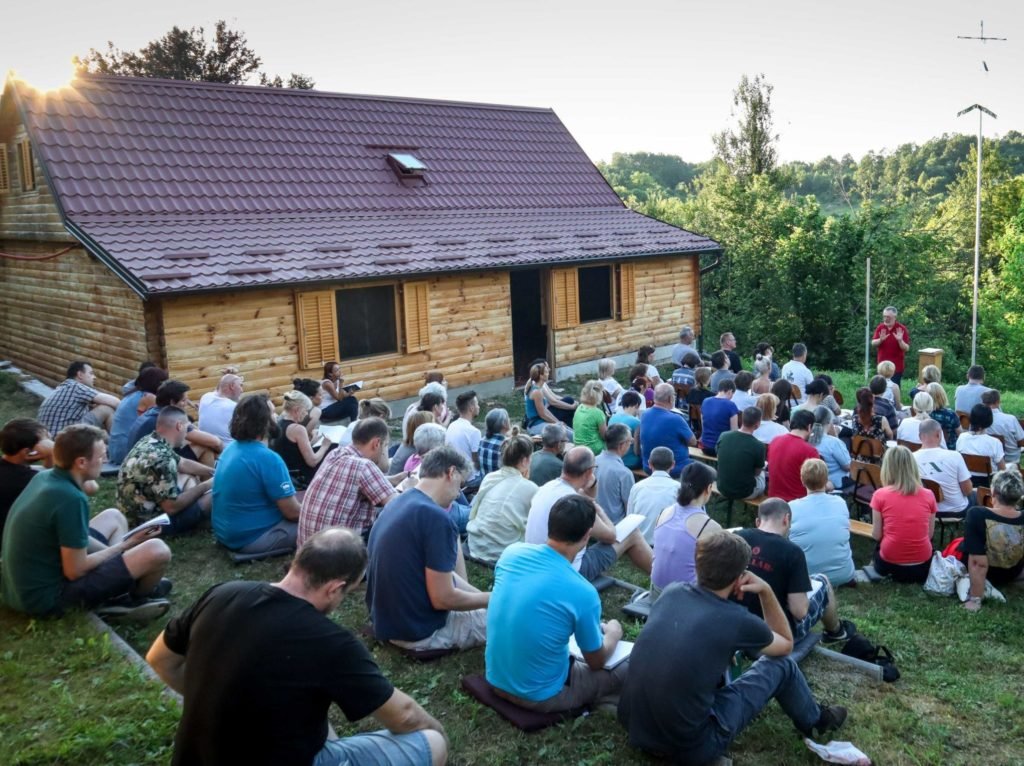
(752, 502)
(698, 454)
(861, 528)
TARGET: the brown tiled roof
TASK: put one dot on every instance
(187, 186)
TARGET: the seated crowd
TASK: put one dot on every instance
(538, 503)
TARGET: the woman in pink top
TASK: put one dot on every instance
(903, 519)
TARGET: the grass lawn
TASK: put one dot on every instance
(67, 698)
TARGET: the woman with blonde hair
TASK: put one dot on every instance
(892, 391)
(902, 519)
(929, 374)
(606, 373)
(910, 428)
(769, 428)
(292, 442)
(943, 414)
(763, 382)
(589, 424)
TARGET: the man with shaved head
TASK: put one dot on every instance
(661, 426)
(217, 407)
(579, 477)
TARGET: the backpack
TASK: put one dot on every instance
(860, 648)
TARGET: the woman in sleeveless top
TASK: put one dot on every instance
(292, 442)
(538, 404)
(680, 526)
(867, 423)
(338, 403)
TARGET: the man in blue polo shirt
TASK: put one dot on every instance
(538, 602)
(661, 427)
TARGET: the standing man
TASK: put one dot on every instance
(728, 344)
(76, 401)
(684, 346)
(892, 340)
(259, 665)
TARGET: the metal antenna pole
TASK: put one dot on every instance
(977, 231)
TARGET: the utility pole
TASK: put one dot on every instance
(982, 38)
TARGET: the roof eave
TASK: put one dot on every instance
(135, 284)
(291, 285)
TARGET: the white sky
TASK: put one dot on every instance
(651, 75)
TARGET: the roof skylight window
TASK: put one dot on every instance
(407, 165)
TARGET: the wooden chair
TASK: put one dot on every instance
(912, 446)
(796, 393)
(838, 396)
(965, 420)
(868, 478)
(980, 467)
(985, 497)
(950, 521)
(866, 448)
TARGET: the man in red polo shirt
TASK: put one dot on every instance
(892, 341)
(786, 455)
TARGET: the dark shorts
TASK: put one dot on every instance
(185, 520)
(187, 452)
(598, 559)
(108, 580)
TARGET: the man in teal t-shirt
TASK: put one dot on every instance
(55, 558)
(538, 602)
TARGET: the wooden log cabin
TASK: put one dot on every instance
(203, 225)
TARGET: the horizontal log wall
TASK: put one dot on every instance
(28, 215)
(255, 330)
(667, 297)
(70, 307)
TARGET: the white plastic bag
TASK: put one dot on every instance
(963, 588)
(942, 574)
(838, 752)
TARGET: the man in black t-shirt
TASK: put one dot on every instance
(782, 564)
(259, 665)
(22, 441)
(672, 704)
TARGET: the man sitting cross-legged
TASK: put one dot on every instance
(349, 486)
(782, 564)
(415, 598)
(259, 665)
(673, 703)
(538, 602)
(148, 481)
(578, 477)
(76, 401)
(54, 557)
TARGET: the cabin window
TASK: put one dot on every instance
(26, 166)
(367, 324)
(595, 293)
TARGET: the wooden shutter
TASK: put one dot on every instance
(26, 167)
(318, 328)
(565, 299)
(627, 290)
(5, 172)
(416, 313)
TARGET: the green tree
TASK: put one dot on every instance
(749, 149)
(187, 54)
(1001, 306)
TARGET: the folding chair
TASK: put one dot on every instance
(838, 396)
(695, 423)
(912, 446)
(866, 449)
(796, 394)
(965, 420)
(868, 478)
(980, 467)
(945, 520)
(985, 497)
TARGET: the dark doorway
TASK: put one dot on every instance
(529, 333)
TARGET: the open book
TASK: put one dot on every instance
(353, 387)
(163, 520)
(625, 527)
(334, 433)
(622, 651)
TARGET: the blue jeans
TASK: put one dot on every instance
(378, 748)
(459, 513)
(739, 703)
